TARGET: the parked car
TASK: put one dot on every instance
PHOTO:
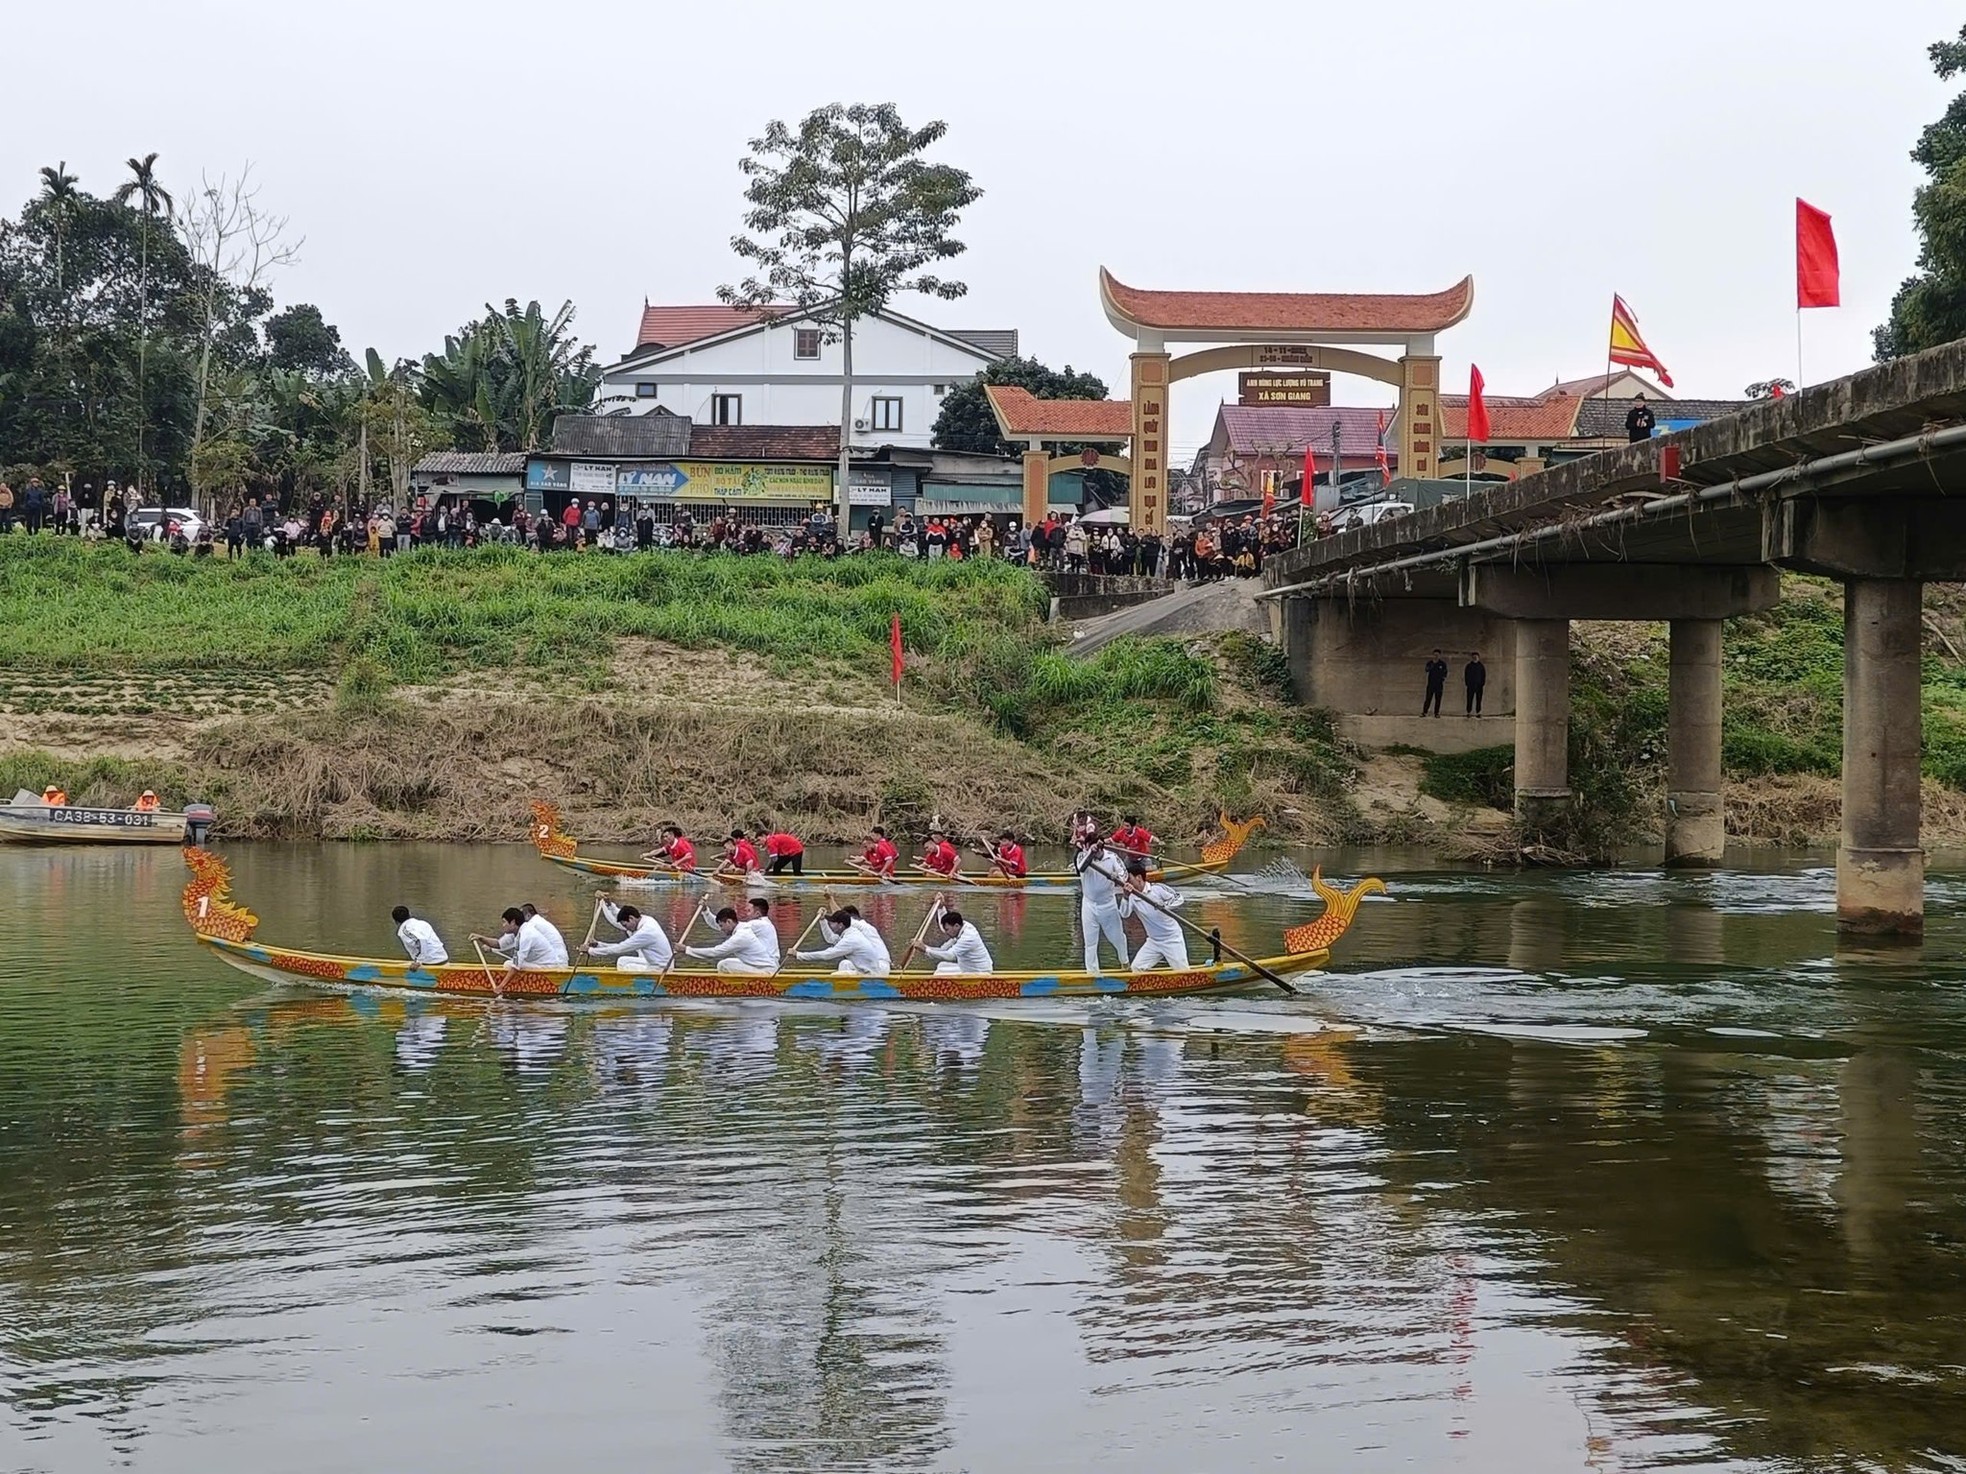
(1368, 514)
(152, 519)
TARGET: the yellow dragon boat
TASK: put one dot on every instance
(562, 849)
(227, 929)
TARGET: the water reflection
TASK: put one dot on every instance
(1553, 1172)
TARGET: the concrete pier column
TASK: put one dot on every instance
(1542, 717)
(1880, 869)
(1696, 821)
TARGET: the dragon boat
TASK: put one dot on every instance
(227, 928)
(562, 849)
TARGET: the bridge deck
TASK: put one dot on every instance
(1617, 507)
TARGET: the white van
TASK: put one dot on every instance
(1368, 514)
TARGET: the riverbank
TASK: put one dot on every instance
(434, 696)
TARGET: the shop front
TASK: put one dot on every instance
(744, 493)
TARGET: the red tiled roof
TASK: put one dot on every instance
(1287, 312)
(1021, 413)
(1549, 416)
(670, 327)
(1284, 430)
(764, 442)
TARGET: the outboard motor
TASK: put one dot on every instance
(198, 821)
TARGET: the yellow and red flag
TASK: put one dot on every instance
(1379, 453)
(1628, 348)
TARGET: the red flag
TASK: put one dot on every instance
(1379, 453)
(1307, 496)
(1817, 278)
(894, 645)
(1478, 427)
(1627, 347)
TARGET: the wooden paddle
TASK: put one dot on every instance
(593, 925)
(921, 932)
(786, 955)
(676, 951)
(1212, 937)
(491, 980)
(958, 877)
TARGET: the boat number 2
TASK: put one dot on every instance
(545, 831)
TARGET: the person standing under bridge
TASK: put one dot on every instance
(1436, 684)
(1474, 675)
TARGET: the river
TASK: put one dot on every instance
(1549, 1171)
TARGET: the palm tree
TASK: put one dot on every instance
(58, 194)
(145, 192)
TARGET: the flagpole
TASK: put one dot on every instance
(1798, 348)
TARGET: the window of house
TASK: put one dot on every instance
(940, 390)
(726, 409)
(805, 342)
(645, 391)
(887, 414)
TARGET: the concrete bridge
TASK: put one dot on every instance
(1861, 480)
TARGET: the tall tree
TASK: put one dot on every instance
(1930, 307)
(58, 196)
(146, 193)
(236, 247)
(501, 381)
(845, 215)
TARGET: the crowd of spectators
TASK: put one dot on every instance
(333, 526)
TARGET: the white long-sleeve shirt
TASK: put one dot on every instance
(1097, 871)
(550, 938)
(537, 944)
(966, 951)
(421, 942)
(648, 941)
(1160, 927)
(753, 943)
(859, 946)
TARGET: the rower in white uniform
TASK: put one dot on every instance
(1166, 945)
(962, 949)
(1099, 912)
(644, 946)
(749, 946)
(419, 938)
(853, 943)
(526, 946)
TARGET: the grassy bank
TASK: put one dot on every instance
(433, 695)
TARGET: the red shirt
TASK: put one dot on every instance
(743, 856)
(571, 517)
(783, 844)
(880, 856)
(680, 853)
(1139, 839)
(1010, 859)
(940, 856)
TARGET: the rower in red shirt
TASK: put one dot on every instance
(740, 854)
(1008, 856)
(939, 856)
(1133, 837)
(782, 852)
(880, 857)
(676, 853)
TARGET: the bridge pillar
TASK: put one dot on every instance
(1880, 869)
(1542, 717)
(1696, 820)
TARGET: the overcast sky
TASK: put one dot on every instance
(438, 154)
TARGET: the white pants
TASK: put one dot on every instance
(952, 969)
(1152, 954)
(629, 962)
(731, 964)
(848, 970)
(1095, 921)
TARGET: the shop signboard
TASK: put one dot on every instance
(739, 481)
(546, 475)
(869, 486)
(650, 481)
(592, 478)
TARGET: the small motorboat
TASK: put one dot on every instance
(29, 820)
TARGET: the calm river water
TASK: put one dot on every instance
(1606, 1171)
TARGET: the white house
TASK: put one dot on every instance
(763, 366)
